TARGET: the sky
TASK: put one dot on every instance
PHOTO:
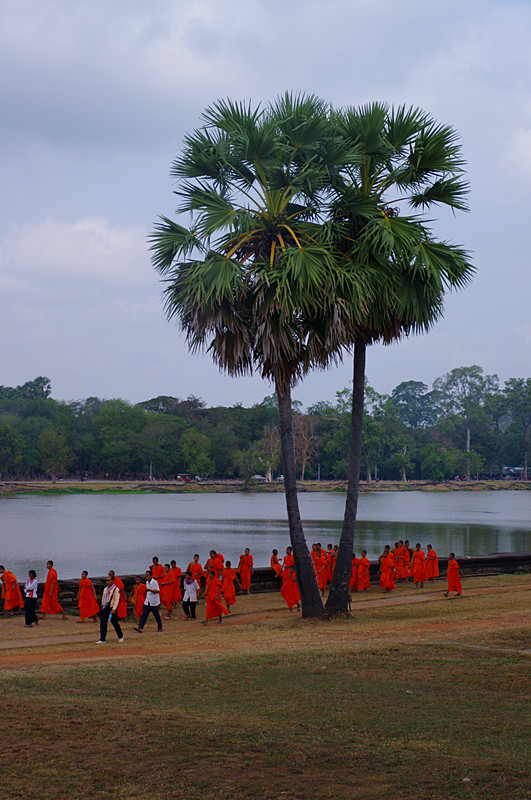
(96, 99)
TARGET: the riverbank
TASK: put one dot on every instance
(13, 488)
(279, 707)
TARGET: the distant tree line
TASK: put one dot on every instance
(467, 424)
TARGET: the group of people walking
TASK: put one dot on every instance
(402, 563)
(165, 585)
(162, 585)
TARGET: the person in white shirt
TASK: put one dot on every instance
(151, 603)
(109, 605)
(191, 590)
(30, 608)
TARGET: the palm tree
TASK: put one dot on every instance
(397, 156)
(251, 279)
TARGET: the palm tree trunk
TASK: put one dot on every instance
(339, 588)
(311, 600)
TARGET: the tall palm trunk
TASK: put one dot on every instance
(339, 588)
(312, 602)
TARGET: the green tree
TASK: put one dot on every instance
(268, 451)
(250, 278)
(10, 448)
(396, 158)
(194, 453)
(462, 393)
(54, 452)
(414, 404)
(517, 392)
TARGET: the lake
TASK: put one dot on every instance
(123, 531)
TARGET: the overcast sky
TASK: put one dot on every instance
(96, 99)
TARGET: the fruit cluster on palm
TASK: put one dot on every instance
(296, 252)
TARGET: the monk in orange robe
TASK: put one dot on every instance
(245, 570)
(364, 579)
(11, 591)
(388, 568)
(177, 575)
(287, 562)
(321, 570)
(196, 569)
(138, 596)
(410, 562)
(214, 606)
(216, 562)
(121, 611)
(166, 590)
(418, 565)
(452, 576)
(228, 589)
(353, 583)
(330, 562)
(290, 590)
(402, 563)
(86, 599)
(276, 566)
(432, 564)
(381, 559)
(50, 603)
(157, 570)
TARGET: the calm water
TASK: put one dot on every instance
(123, 532)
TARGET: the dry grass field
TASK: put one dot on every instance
(416, 696)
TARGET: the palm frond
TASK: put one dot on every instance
(449, 191)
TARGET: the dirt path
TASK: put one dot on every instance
(146, 645)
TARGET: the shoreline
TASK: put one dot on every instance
(21, 488)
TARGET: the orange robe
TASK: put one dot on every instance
(419, 566)
(388, 566)
(157, 572)
(246, 565)
(276, 566)
(214, 607)
(290, 590)
(364, 580)
(227, 586)
(288, 561)
(331, 564)
(197, 571)
(138, 598)
(87, 603)
(432, 565)
(12, 593)
(402, 563)
(216, 563)
(353, 584)
(50, 604)
(121, 611)
(452, 576)
(321, 570)
(166, 591)
(177, 575)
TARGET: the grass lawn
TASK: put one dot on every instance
(417, 701)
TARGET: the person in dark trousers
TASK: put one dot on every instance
(30, 590)
(109, 605)
(151, 603)
(191, 589)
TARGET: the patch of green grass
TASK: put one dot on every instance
(408, 723)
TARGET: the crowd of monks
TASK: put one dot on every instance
(218, 579)
(218, 576)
